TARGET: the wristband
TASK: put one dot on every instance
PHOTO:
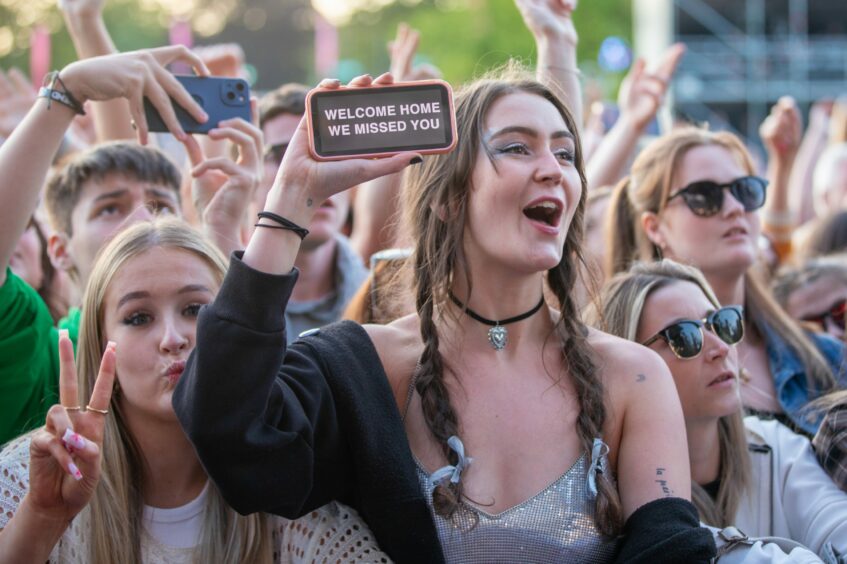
(62, 96)
(282, 223)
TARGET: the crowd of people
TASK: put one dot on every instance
(554, 343)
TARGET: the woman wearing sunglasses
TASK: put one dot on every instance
(692, 196)
(816, 293)
(757, 475)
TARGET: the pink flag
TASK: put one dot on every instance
(326, 46)
(39, 54)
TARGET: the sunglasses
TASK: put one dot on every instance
(835, 313)
(685, 337)
(273, 153)
(705, 198)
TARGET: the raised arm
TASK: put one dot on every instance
(264, 420)
(85, 24)
(36, 140)
(813, 144)
(780, 132)
(555, 36)
(639, 99)
(221, 187)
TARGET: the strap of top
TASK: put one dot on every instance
(411, 391)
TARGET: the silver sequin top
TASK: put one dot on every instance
(555, 525)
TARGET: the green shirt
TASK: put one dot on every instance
(29, 359)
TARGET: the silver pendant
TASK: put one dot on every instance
(498, 337)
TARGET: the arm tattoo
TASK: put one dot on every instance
(309, 202)
(640, 377)
(666, 490)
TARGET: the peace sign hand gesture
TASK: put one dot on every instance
(65, 454)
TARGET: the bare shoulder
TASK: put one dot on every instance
(625, 364)
(399, 346)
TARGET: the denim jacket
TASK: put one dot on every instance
(790, 378)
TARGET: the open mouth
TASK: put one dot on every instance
(723, 377)
(548, 212)
(735, 231)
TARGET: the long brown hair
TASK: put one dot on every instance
(647, 189)
(113, 518)
(623, 300)
(436, 201)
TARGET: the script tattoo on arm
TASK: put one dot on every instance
(640, 377)
(666, 490)
(309, 202)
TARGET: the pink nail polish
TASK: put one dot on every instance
(74, 471)
(73, 439)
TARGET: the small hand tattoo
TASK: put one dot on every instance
(640, 378)
(309, 202)
(663, 483)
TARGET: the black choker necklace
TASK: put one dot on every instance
(498, 335)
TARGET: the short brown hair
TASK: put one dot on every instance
(143, 163)
(287, 99)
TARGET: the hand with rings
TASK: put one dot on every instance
(65, 454)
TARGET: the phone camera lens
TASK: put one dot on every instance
(240, 87)
(230, 95)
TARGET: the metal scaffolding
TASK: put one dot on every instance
(744, 54)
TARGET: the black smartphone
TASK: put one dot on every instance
(220, 98)
(381, 121)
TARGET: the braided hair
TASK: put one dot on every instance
(435, 206)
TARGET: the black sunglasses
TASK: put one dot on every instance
(685, 337)
(836, 313)
(273, 153)
(705, 198)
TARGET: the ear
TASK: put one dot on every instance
(440, 212)
(652, 227)
(59, 252)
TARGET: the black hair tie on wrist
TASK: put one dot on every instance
(283, 223)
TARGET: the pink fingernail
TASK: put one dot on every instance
(73, 439)
(74, 471)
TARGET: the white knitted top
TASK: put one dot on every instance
(332, 533)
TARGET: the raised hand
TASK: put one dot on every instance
(782, 130)
(82, 8)
(549, 18)
(134, 76)
(16, 98)
(222, 189)
(402, 53)
(317, 181)
(65, 454)
(642, 93)
(223, 59)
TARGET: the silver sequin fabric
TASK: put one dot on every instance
(556, 525)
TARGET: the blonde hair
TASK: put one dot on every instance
(436, 204)
(623, 300)
(647, 189)
(113, 518)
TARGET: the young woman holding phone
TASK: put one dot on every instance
(438, 427)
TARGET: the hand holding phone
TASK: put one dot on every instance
(381, 121)
(221, 98)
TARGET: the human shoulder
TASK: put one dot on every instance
(399, 347)
(625, 364)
